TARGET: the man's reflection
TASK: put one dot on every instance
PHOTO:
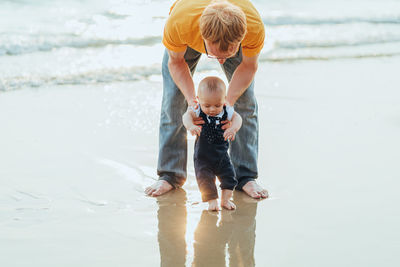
(172, 228)
(235, 230)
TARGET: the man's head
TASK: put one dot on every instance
(211, 94)
(222, 26)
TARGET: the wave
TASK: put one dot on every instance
(334, 43)
(43, 43)
(284, 20)
(40, 44)
(290, 58)
(94, 77)
(142, 73)
(299, 33)
(19, 43)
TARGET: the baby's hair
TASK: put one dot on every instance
(212, 84)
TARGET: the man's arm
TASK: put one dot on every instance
(230, 133)
(181, 75)
(242, 78)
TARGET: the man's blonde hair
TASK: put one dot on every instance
(223, 23)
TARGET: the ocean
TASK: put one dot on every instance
(54, 42)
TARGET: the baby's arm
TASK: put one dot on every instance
(188, 122)
(236, 123)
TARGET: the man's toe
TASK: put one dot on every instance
(264, 194)
(255, 194)
(156, 193)
(152, 191)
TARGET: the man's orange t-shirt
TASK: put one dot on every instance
(182, 28)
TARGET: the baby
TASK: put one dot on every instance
(211, 148)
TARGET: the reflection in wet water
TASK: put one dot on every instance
(216, 235)
(172, 228)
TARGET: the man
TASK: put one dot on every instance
(232, 33)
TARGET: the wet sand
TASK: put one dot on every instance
(74, 161)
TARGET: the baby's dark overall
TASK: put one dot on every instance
(211, 158)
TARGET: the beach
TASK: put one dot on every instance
(80, 101)
(75, 160)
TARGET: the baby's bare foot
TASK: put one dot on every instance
(159, 188)
(213, 205)
(227, 204)
(226, 199)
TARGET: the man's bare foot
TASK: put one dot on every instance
(252, 189)
(159, 188)
(226, 199)
(213, 205)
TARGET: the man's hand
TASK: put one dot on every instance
(198, 121)
(226, 124)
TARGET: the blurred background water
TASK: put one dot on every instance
(54, 42)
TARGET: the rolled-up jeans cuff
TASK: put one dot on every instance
(207, 197)
(170, 180)
(228, 187)
(242, 182)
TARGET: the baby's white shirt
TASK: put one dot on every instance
(229, 110)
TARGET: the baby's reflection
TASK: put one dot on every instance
(235, 231)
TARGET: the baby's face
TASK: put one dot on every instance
(212, 103)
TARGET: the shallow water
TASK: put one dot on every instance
(74, 162)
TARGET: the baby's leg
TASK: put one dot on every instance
(206, 181)
(226, 175)
(226, 199)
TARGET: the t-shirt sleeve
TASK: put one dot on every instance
(196, 110)
(229, 110)
(172, 39)
(254, 42)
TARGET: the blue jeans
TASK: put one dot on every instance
(172, 156)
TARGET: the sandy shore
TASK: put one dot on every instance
(74, 161)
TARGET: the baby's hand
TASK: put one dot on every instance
(230, 134)
(195, 130)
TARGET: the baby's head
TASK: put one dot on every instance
(211, 95)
